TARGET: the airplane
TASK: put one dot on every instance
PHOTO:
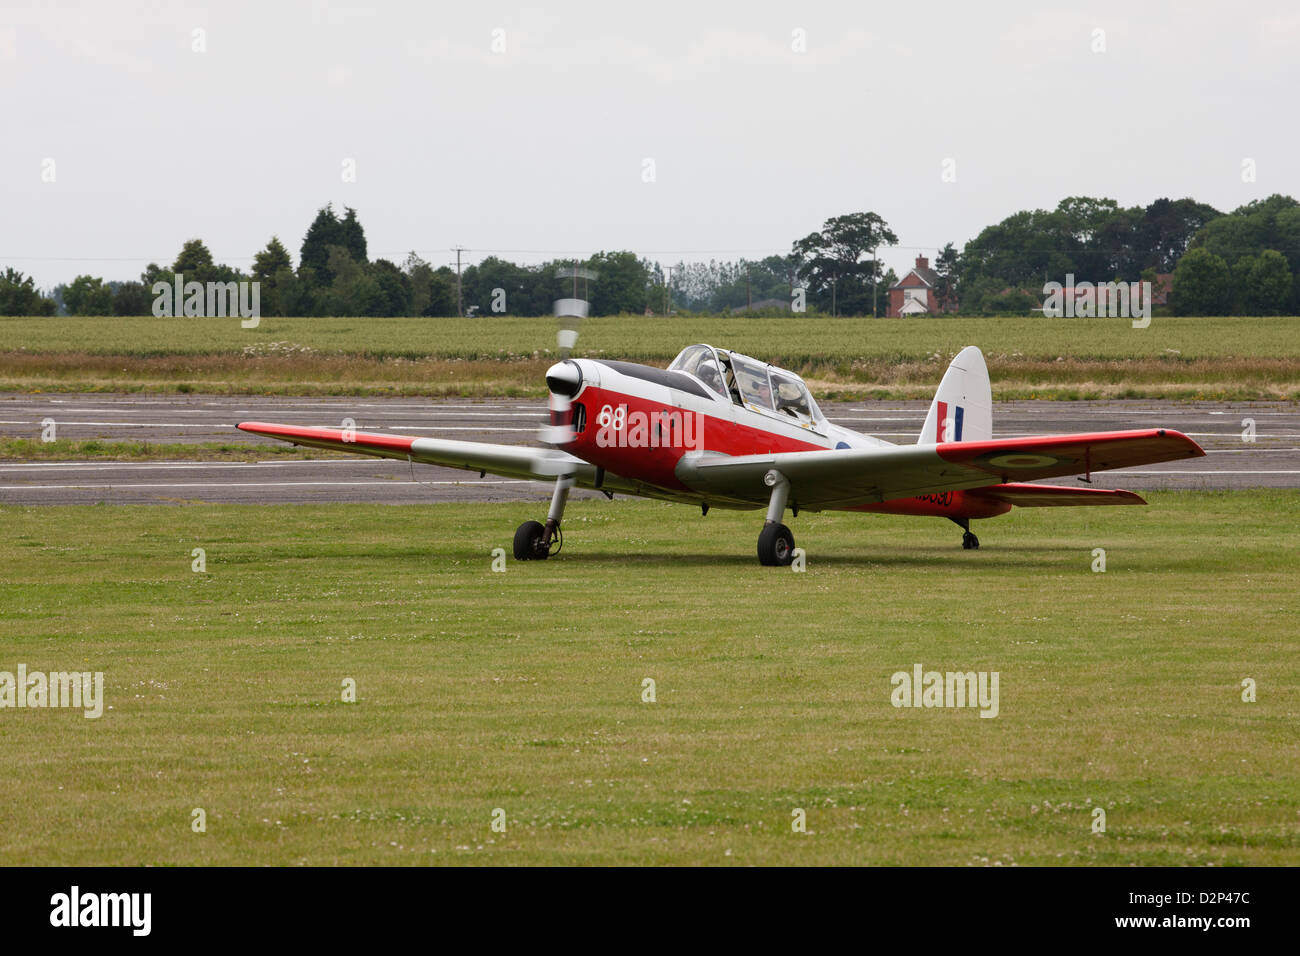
(719, 429)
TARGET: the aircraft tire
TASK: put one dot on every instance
(775, 546)
(528, 542)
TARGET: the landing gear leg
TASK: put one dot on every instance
(558, 500)
(968, 540)
(537, 542)
(775, 542)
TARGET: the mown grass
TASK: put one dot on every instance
(64, 449)
(523, 690)
(1176, 357)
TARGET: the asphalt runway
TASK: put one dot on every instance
(1271, 460)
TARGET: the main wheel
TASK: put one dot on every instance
(970, 542)
(528, 542)
(775, 546)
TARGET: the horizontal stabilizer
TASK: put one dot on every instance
(1053, 496)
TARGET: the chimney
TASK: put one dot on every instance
(922, 262)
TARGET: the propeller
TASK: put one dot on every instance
(565, 377)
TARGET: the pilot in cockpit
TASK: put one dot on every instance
(707, 373)
(791, 399)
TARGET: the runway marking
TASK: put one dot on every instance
(250, 403)
(1193, 474)
(36, 424)
(217, 426)
(249, 410)
(1247, 451)
(1237, 434)
(268, 484)
(145, 465)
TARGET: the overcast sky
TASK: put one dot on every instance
(539, 150)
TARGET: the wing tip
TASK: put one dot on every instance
(1195, 451)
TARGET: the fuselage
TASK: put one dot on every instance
(638, 422)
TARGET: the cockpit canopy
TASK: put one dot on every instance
(749, 382)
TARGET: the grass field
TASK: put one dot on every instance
(523, 690)
(1224, 358)
(30, 449)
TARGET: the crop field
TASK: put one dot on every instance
(1176, 357)
(521, 695)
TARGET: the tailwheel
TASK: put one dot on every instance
(529, 542)
(970, 542)
(775, 545)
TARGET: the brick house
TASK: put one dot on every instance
(915, 293)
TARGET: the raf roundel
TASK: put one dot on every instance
(1023, 461)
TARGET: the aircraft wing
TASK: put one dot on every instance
(853, 476)
(510, 461)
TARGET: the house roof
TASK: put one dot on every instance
(924, 273)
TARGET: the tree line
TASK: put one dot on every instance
(1242, 262)
(1237, 263)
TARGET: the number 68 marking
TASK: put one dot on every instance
(611, 417)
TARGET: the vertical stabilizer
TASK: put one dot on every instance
(962, 409)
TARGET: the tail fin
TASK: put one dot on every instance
(962, 409)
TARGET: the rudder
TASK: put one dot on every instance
(962, 409)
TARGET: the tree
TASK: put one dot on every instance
(293, 295)
(419, 274)
(621, 283)
(1249, 229)
(1262, 284)
(1167, 229)
(1094, 240)
(1088, 229)
(18, 296)
(497, 286)
(87, 295)
(354, 290)
(193, 260)
(271, 260)
(947, 265)
(196, 264)
(271, 266)
(156, 273)
(1202, 284)
(324, 231)
(442, 292)
(352, 237)
(132, 298)
(832, 259)
(394, 288)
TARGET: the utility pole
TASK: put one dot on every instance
(875, 279)
(460, 304)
